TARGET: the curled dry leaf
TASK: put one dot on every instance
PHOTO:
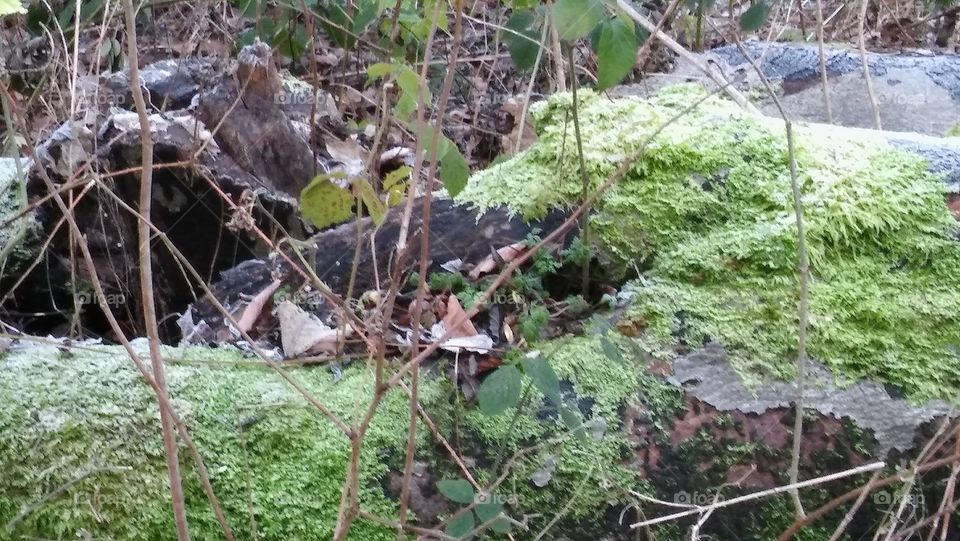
(255, 307)
(453, 314)
(350, 155)
(301, 332)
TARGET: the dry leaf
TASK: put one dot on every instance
(255, 307)
(302, 332)
(489, 264)
(454, 313)
(349, 153)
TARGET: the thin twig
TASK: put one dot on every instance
(823, 63)
(853, 509)
(764, 493)
(672, 44)
(803, 267)
(861, 46)
(145, 263)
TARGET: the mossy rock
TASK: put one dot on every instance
(81, 452)
(706, 215)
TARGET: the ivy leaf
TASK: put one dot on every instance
(500, 391)
(544, 378)
(523, 48)
(456, 490)
(753, 18)
(576, 18)
(616, 52)
(460, 526)
(325, 203)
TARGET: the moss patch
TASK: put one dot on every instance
(65, 416)
(707, 217)
(85, 421)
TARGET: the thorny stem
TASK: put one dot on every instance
(424, 264)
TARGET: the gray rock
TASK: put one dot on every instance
(708, 376)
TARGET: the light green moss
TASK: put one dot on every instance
(62, 416)
(707, 215)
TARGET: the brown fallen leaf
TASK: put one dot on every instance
(301, 332)
(454, 313)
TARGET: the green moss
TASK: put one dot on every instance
(592, 471)
(707, 215)
(64, 416)
(954, 131)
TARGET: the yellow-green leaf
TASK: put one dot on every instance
(375, 208)
(325, 203)
(9, 7)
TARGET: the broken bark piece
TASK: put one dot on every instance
(245, 113)
(457, 231)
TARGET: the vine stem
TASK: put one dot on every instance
(144, 256)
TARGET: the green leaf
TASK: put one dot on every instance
(9, 7)
(544, 378)
(324, 203)
(293, 45)
(454, 170)
(375, 207)
(523, 48)
(379, 71)
(523, 4)
(575, 19)
(610, 349)
(501, 526)
(342, 28)
(500, 391)
(367, 11)
(395, 184)
(616, 52)
(460, 526)
(753, 18)
(487, 510)
(456, 490)
(571, 419)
